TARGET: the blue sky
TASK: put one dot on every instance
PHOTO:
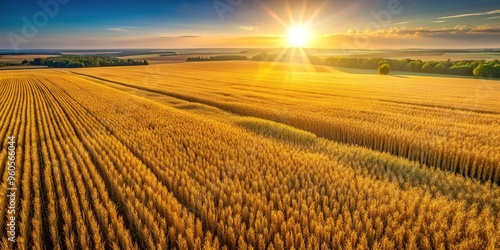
(248, 23)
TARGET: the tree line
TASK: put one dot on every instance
(84, 62)
(478, 68)
(4, 64)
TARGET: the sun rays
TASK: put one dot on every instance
(298, 30)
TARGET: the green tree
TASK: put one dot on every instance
(414, 66)
(441, 68)
(496, 71)
(464, 70)
(429, 67)
(39, 61)
(384, 69)
(483, 70)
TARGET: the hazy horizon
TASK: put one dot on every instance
(465, 49)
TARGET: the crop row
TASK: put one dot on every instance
(458, 134)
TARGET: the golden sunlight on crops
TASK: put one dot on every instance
(420, 118)
(247, 155)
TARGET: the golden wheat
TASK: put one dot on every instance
(121, 171)
(453, 126)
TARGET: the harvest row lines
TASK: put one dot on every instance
(454, 140)
(118, 171)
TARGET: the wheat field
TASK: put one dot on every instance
(248, 155)
(452, 124)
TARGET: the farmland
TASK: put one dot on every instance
(400, 116)
(248, 155)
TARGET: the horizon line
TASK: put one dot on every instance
(251, 48)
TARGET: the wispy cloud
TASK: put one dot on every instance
(472, 14)
(117, 29)
(248, 28)
(493, 17)
(438, 21)
(400, 23)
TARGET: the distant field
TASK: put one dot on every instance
(145, 56)
(241, 155)
(22, 67)
(21, 58)
(89, 52)
(157, 59)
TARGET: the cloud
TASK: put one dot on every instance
(401, 23)
(424, 31)
(438, 21)
(493, 17)
(117, 29)
(488, 28)
(248, 28)
(461, 28)
(189, 36)
(472, 14)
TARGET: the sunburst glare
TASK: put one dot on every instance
(298, 36)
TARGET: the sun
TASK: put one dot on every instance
(297, 36)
